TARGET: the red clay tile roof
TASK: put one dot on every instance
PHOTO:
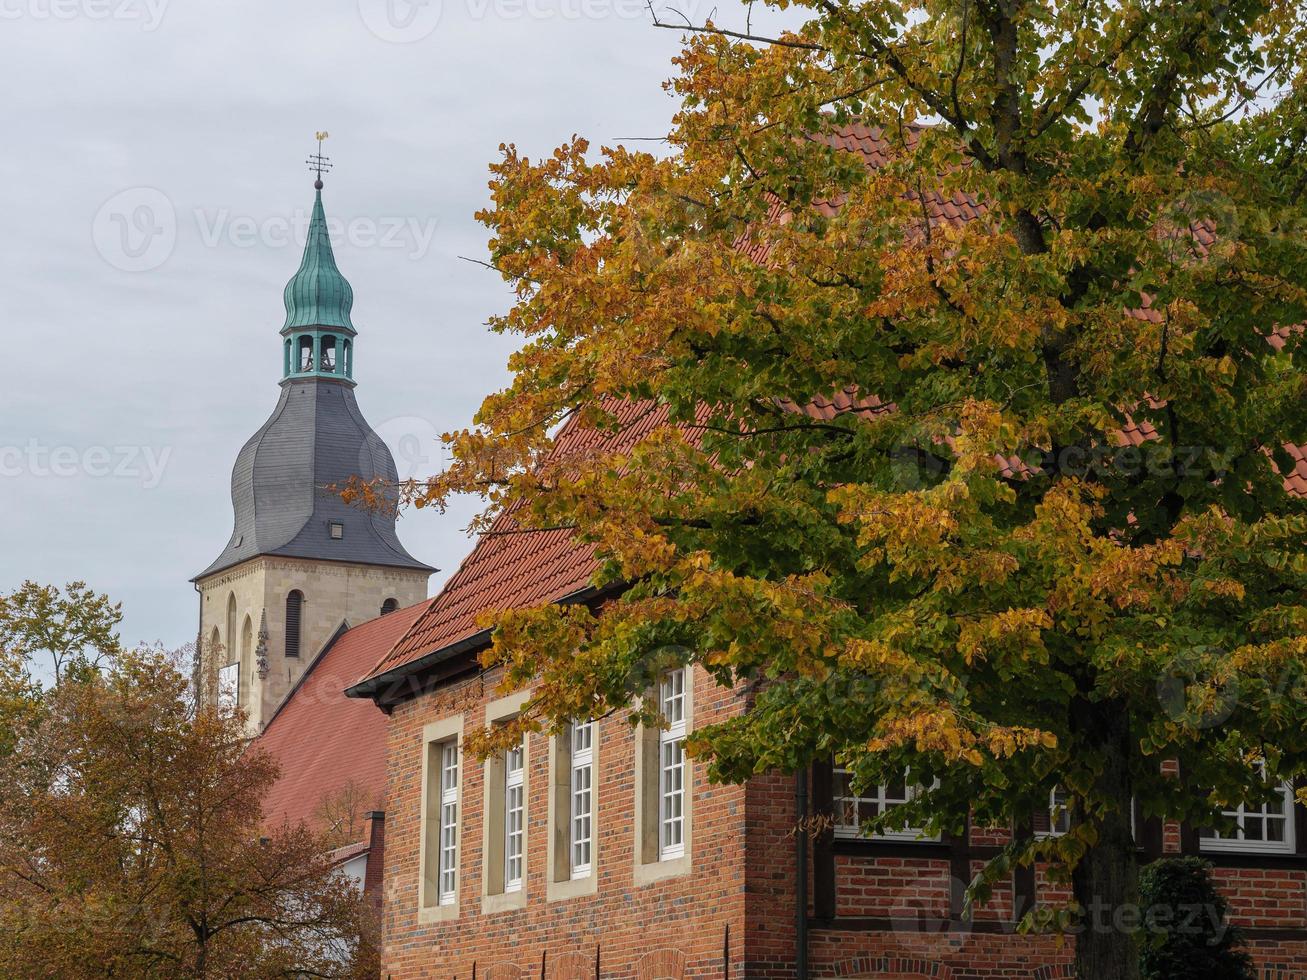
(844, 402)
(956, 209)
(323, 739)
(512, 569)
(515, 570)
(348, 852)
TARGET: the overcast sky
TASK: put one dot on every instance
(154, 194)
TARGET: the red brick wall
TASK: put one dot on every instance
(1265, 897)
(770, 872)
(895, 897)
(667, 929)
(893, 908)
(924, 955)
(374, 869)
(891, 886)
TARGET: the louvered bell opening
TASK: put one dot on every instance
(294, 612)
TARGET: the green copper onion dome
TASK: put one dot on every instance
(318, 295)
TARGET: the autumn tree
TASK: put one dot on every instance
(131, 845)
(341, 815)
(20, 700)
(1055, 290)
(73, 628)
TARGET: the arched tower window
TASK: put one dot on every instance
(229, 655)
(226, 674)
(304, 361)
(286, 360)
(294, 613)
(246, 662)
(349, 358)
(389, 606)
(327, 354)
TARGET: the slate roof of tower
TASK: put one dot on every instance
(506, 571)
(320, 738)
(315, 438)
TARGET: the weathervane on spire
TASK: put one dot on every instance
(318, 163)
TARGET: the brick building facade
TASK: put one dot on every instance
(645, 919)
(872, 908)
(481, 876)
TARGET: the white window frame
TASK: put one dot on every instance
(1059, 815)
(1210, 839)
(507, 799)
(883, 802)
(447, 874)
(580, 798)
(514, 817)
(671, 766)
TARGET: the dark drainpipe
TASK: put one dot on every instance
(197, 665)
(801, 868)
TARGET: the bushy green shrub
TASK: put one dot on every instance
(1186, 934)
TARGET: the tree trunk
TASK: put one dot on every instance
(1106, 881)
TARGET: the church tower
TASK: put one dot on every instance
(301, 563)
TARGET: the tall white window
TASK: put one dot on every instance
(1258, 827)
(582, 799)
(448, 879)
(514, 816)
(671, 767)
(854, 810)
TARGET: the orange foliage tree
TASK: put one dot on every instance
(1079, 220)
(131, 843)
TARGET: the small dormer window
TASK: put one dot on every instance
(336, 529)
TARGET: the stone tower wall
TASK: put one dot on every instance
(334, 592)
